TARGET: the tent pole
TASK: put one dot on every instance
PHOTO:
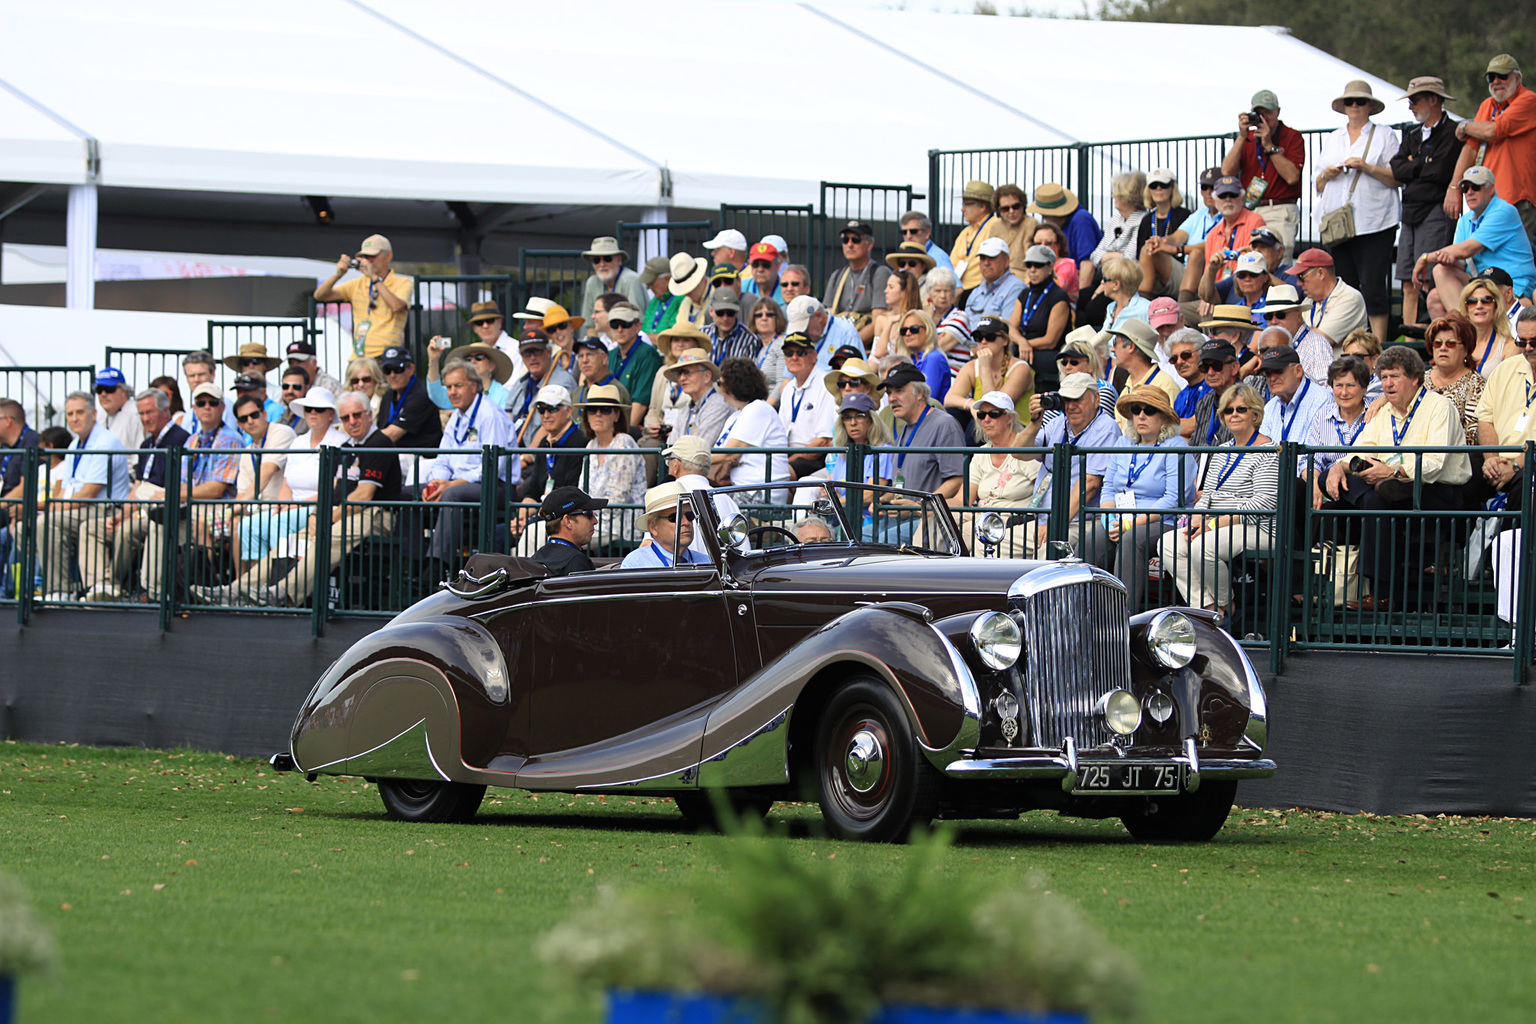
(80, 236)
(652, 243)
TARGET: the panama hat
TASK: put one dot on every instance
(499, 359)
(685, 330)
(1237, 318)
(482, 311)
(910, 251)
(607, 245)
(252, 350)
(1146, 394)
(534, 310)
(1052, 200)
(852, 369)
(692, 357)
(662, 498)
(1358, 90)
(688, 272)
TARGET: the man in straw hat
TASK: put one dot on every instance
(455, 476)
(1235, 326)
(1501, 139)
(688, 461)
(1425, 165)
(707, 408)
(609, 274)
(1058, 207)
(489, 325)
(380, 297)
(668, 519)
(981, 223)
(690, 280)
(1266, 158)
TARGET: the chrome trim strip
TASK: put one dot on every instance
(365, 753)
(1059, 574)
(669, 595)
(1055, 766)
(1069, 752)
(482, 585)
(969, 733)
(1256, 732)
(1193, 760)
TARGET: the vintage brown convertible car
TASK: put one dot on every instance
(884, 674)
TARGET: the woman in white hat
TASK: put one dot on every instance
(1161, 239)
(998, 479)
(1356, 164)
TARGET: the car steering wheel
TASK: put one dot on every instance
(753, 533)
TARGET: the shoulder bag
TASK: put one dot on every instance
(1338, 226)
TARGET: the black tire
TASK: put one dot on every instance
(698, 808)
(412, 800)
(883, 789)
(1190, 818)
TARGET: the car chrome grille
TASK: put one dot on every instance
(1077, 636)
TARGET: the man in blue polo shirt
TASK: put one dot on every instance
(670, 524)
(999, 289)
(82, 495)
(1488, 235)
(1295, 400)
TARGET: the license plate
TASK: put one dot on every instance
(1129, 778)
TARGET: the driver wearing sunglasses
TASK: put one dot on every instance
(669, 523)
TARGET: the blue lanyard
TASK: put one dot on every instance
(1488, 352)
(1258, 151)
(562, 540)
(204, 440)
(1210, 431)
(468, 422)
(1029, 310)
(1528, 395)
(1351, 439)
(399, 403)
(728, 428)
(662, 557)
(1285, 424)
(794, 403)
(549, 460)
(694, 409)
(974, 238)
(1236, 462)
(1136, 471)
(1318, 312)
(1167, 223)
(906, 441)
(74, 467)
(1151, 377)
(1398, 435)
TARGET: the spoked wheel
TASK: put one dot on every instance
(414, 800)
(1188, 818)
(698, 809)
(872, 781)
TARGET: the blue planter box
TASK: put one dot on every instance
(626, 1007)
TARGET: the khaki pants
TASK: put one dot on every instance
(1283, 219)
(346, 536)
(71, 534)
(1202, 568)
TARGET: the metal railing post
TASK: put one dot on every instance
(170, 536)
(1281, 549)
(490, 485)
(1084, 149)
(1061, 495)
(320, 542)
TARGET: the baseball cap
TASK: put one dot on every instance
(396, 356)
(997, 400)
(553, 394)
(1039, 255)
(1314, 258)
(250, 382)
(901, 375)
(858, 401)
(207, 388)
(1226, 185)
(1251, 262)
(562, 501)
(532, 337)
(725, 301)
(778, 243)
(730, 238)
(722, 272)
(1267, 99)
(799, 339)
(990, 326)
(373, 245)
(1278, 358)
(1161, 176)
(1218, 351)
(1076, 385)
(859, 227)
(302, 349)
(1209, 175)
(687, 447)
(1164, 312)
(1503, 64)
(800, 310)
(763, 251)
(993, 246)
(110, 377)
(591, 341)
(1479, 176)
(1499, 276)
(623, 313)
(654, 268)
(1264, 236)
(844, 353)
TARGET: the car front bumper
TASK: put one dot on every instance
(1067, 766)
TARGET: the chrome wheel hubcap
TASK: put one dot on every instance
(865, 761)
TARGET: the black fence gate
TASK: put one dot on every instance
(795, 224)
(41, 390)
(665, 239)
(142, 365)
(881, 206)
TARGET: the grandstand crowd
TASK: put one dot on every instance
(1180, 322)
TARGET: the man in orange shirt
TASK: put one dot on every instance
(1503, 139)
(1233, 229)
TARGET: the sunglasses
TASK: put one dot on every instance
(761, 265)
(909, 264)
(1009, 208)
(479, 357)
(393, 369)
(1482, 300)
(1206, 188)
(248, 417)
(106, 390)
(688, 516)
(789, 282)
(1524, 342)
(854, 414)
(1248, 273)
(1494, 76)
(1137, 409)
(603, 259)
(796, 353)
(989, 414)
(1469, 186)
(543, 408)
(361, 380)
(764, 313)
(1159, 184)
(1072, 360)
(844, 385)
(622, 323)
(911, 231)
(293, 387)
(603, 410)
(728, 314)
(851, 239)
(253, 362)
(208, 403)
(1183, 357)
(1236, 410)
(1354, 102)
(1037, 266)
(1446, 343)
(907, 332)
(348, 417)
(1208, 365)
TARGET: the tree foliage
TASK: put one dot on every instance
(1393, 39)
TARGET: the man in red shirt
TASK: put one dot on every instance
(1232, 230)
(1267, 157)
(1503, 139)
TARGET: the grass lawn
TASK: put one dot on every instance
(193, 887)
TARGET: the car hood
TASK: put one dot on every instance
(893, 577)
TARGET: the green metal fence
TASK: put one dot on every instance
(41, 390)
(643, 241)
(440, 306)
(797, 225)
(554, 274)
(881, 206)
(226, 336)
(142, 365)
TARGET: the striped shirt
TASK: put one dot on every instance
(740, 343)
(1243, 479)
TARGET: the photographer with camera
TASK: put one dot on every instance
(380, 298)
(1083, 423)
(1267, 157)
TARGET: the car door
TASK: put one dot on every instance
(623, 650)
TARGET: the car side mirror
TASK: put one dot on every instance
(733, 532)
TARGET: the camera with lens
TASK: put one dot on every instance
(1252, 118)
(1051, 401)
(353, 263)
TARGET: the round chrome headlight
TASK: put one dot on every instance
(991, 529)
(997, 639)
(1171, 639)
(1120, 711)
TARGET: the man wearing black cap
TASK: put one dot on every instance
(1218, 362)
(857, 289)
(1294, 401)
(406, 415)
(302, 353)
(917, 424)
(569, 513)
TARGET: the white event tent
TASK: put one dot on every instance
(670, 105)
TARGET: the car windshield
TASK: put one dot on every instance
(830, 512)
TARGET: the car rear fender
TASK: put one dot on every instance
(423, 699)
(751, 737)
